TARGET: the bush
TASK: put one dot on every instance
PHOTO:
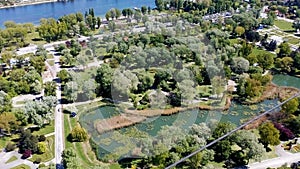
(38, 160)
(42, 147)
(42, 138)
(10, 147)
(285, 133)
(26, 154)
(42, 165)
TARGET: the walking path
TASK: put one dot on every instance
(284, 158)
(4, 156)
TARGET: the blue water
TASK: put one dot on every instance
(33, 13)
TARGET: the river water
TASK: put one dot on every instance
(33, 13)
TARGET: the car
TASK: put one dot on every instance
(73, 114)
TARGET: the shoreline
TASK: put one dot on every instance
(137, 116)
(27, 4)
(120, 121)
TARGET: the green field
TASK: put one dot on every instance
(22, 166)
(49, 154)
(284, 25)
(45, 130)
(11, 159)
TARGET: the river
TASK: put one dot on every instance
(33, 13)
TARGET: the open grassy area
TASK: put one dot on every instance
(51, 62)
(45, 130)
(292, 40)
(49, 154)
(5, 140)
(34, 38)
(88, 106)
(67, 130)
(115, 166)
(69, 123)
(22, 166)
(284, 25)
(11, 159)
(256, 52)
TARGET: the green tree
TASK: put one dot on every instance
(284, 50)
(159, 4)
(8, 122)
(70, 159)
(296, 24)
(223, 148)
(5, 102)
(71, 91)
(28, 142)
(104, 79)
(291, 106)
(50, 88)
(284, 64)
(78, 134)
(144, 10)
(240, 65)
(38, 62)
(64, 76)
(89, 88)
(239, 30)
(41, 147)
(266, 60)
(269, 135)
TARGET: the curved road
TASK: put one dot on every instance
(285, 158)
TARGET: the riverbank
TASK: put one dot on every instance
(25, 3)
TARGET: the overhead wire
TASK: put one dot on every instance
(231, 132)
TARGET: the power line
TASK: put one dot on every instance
(232, 131)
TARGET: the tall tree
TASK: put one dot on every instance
(269, 135)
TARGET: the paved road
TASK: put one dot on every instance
(59, 136)
(284, 158)
(6, 156)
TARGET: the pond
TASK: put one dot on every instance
(285, 80)
(122, 141)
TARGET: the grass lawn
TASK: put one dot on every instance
(5, 140)
(88, 106)
(50, 56)
(77, 146)
(22, 166)
(51, 62)
(34, 38)
(49, 154)
(284, 25)
(115, 166)
(256, 52)
(292, 40)
(11, 159)
(46, 130)
(67, 130)
(20, 102)
(234, 41)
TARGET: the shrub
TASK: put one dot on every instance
(42, 165)
(10, 147)
(26, 154)
(42, 138)
(37, 160)
(42, 147)
(285, 133)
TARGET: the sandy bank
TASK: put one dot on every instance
(27, 3)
